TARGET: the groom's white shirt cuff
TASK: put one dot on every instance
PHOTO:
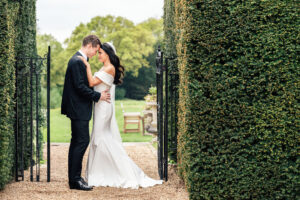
(85, 57)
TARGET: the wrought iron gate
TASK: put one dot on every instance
(167, 99)
(32, 73)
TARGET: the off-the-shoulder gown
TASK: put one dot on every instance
(108, 163)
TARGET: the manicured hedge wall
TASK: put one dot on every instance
(169, 49)
(26, 46)
(7, 89)
(169, 29)
(26, 25)
(239, 98)
(17, 37)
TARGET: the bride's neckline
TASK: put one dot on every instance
(101, 70)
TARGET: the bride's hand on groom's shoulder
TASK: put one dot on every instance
(84, 61)
(105, 96)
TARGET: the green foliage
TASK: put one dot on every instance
(170, 29)
(169, 49)
(17, 34)
(57, 55)
(133, 43)
(120, 93)
(26, 46)
(151, 96)
(8, 13)
(26, 28)
(137, 87)
(152, 90)
(55, 97)
(239, 98)
(57, 73)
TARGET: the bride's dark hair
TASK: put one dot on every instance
(115, 61)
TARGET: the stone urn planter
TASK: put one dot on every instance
(152, 128)
(150, 112)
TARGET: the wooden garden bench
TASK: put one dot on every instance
(133, 118)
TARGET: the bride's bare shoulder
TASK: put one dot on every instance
(110, 70)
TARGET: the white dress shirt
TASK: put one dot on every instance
(85, 57)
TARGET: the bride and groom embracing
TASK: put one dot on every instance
(108, 163)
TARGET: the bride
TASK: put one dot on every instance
(108, 163)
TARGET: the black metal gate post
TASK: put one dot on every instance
(167, 99)
(166, 123)
(162, 121)
(37, 144)
(31, 121)
(159, 76)
(48, 113)
(32, 68)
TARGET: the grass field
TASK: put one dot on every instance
(60, 125)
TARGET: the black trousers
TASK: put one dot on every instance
(79, 143)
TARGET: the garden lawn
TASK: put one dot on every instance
(60, 125)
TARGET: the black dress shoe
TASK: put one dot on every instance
(79, 185)
(84, 182)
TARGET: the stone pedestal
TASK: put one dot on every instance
(152, 128)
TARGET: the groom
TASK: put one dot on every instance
(77, 102)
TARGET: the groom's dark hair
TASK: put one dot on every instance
(93, 39)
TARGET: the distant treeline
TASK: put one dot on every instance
(135, 45)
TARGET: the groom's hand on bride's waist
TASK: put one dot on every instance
(105, 96)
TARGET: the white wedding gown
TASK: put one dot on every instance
(108, 163)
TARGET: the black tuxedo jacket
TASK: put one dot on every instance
(78, 97)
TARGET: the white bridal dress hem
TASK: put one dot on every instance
(108, 163)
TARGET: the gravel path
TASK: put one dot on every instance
(143, 155)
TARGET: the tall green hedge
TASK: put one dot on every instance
(239, 98)
(26, 27)
(169, 49)
(26, 47)
(7, 89)
(17, 38)
(169, 29)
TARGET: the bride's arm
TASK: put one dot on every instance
(92, 80)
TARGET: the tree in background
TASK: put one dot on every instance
(43, 41)
(135, 46)
(138, 86)
(133, 43)
(57, 70)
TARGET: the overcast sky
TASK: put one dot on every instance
(60, 17)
